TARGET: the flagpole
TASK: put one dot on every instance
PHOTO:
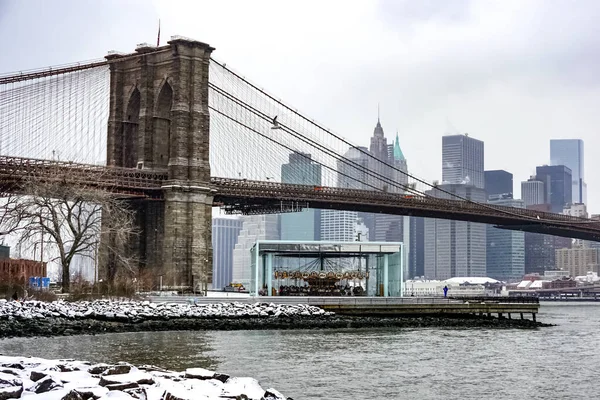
(158, 37)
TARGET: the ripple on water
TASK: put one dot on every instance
(558, 362)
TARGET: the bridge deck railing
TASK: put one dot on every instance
(15, 168)
(262, 189)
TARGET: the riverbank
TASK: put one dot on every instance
(67, 327)
(38, 378)
(91, 318)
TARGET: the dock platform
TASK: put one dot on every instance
(502, 307)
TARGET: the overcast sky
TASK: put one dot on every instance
(513, 73)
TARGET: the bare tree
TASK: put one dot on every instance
(9, 213)
(74, 216)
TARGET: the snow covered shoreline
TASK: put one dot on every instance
(135, 311)
(33, 318)
(38, 378)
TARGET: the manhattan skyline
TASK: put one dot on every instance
(514, 75)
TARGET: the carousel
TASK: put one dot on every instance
(285, 268)
(317, 278)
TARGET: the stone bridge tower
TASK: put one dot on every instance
(159, 121)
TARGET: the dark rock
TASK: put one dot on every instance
(8, 380)
(221, 377)
(85, 393)
(37, 375)
(13, 392)
(270, 396)
(122, 386)
(137, 393)
(118, 369)
(46, 384)
(74, 395)
(14, 366)
(98, 369)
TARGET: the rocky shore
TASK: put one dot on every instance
(38, 378)
(34, 318)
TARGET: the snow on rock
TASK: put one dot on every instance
(38, 378)
(136, 311)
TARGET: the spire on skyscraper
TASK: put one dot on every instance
(398, 156)
(378, 132)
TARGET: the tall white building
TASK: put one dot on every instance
(338, 226)
(462, 161)
(577, 210)
(533, 192)
(254, 227)
(225, 233)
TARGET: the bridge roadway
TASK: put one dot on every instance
(384, 306)
(247, 196)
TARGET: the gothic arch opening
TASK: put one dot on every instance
(130, 130)
(162, 127)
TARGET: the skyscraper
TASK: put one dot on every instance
(540, 249)
(305, 225)
(455, 248)
(416, 248)
(390, 228)
(569, 152)
(537, 193)
(499, 184)
(340, 225)
(225, 233)
(379, 147)
(505, 248)
(533, 192)
(462, 161)
(557, 186)
(255, 227)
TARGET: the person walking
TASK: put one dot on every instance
(445, 291)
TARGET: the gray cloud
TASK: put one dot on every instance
(512, 73)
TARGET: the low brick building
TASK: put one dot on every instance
(19, 271)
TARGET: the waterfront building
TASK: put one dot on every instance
(569, 152)
(459, 287)
(375, 268)
(579, 261)
(225, 233)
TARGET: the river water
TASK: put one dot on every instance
(560, 362)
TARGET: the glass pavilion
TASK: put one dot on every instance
(314, 268)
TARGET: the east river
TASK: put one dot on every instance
(560, 362)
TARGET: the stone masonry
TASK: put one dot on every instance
(159, 121)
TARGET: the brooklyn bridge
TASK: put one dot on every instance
(178, 133)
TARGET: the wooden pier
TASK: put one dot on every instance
(502, 307)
